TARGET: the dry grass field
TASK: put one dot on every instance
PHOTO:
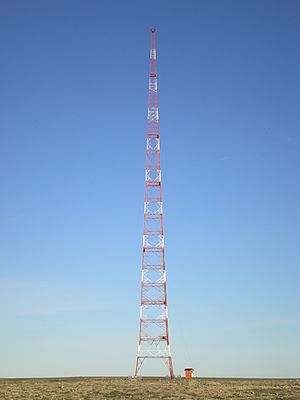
(148, 388)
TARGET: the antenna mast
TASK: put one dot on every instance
(154, 330)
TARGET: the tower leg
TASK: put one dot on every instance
(171, 367)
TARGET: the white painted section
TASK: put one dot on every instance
(144, 240)
(156, 178)
(152, 144)
(169, 350)
(153, 114)
(153, 54)
(154, 353)
(159, 176)
(153, 84)
(156, 207)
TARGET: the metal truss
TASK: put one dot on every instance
(154, 330)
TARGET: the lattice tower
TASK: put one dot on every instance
(154, 327)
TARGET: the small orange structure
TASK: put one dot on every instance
(188, 373)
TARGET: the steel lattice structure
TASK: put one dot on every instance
(154, 332)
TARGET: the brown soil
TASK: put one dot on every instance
(148, 388)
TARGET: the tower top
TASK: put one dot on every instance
(152, 30)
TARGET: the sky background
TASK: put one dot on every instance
(73, 106)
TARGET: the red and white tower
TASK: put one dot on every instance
(154, 331)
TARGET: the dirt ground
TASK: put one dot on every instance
(148, 388)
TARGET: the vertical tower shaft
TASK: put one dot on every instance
(154, 331)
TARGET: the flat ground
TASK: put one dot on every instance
(148, 388)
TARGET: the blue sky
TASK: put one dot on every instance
(73, 105)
